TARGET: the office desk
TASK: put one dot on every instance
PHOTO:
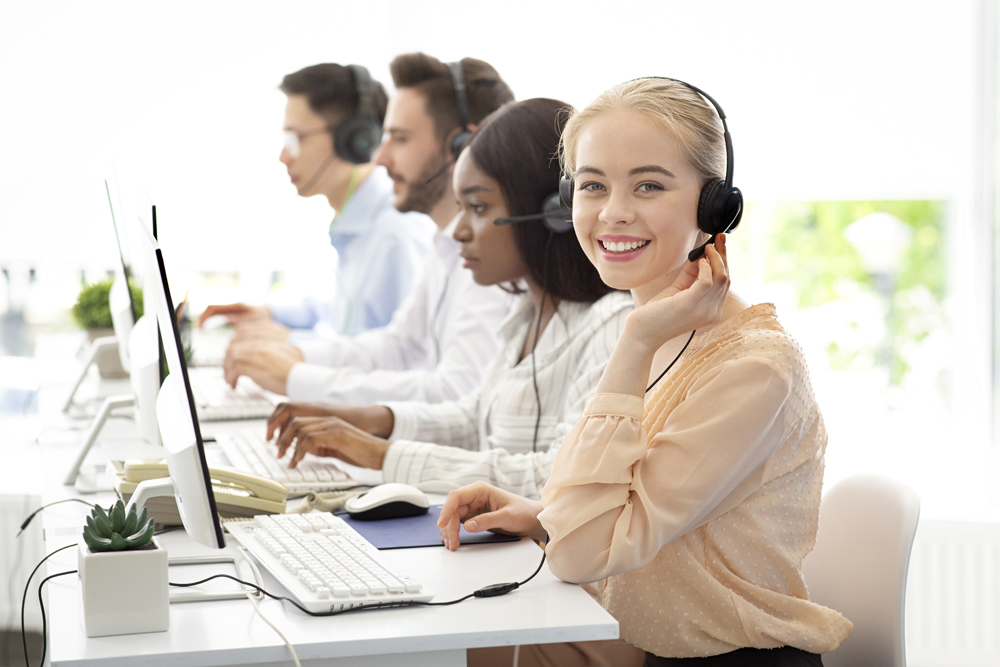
(230, 632)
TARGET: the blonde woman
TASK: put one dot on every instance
(694, 501)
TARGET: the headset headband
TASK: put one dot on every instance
(363, 86)
(461, 98)
(722, 116)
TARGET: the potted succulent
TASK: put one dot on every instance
(92, 312)
(123, 574)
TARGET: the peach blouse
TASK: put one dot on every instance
(699, 503)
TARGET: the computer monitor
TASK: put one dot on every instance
(139, 351)
(177, 417)
(123, 310)
(137, 336)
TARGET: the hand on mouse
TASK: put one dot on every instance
(332, 436)
(376, 419)
(482, 506)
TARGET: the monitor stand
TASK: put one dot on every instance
(90, 483)
(98, 347)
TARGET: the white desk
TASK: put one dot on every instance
(225, 633)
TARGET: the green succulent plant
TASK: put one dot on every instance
(92, 310)
(115, 531)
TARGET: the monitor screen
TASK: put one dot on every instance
(176, 414)
(125, 272)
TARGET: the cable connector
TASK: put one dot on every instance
(493, 590)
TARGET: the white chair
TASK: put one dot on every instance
(866, 529)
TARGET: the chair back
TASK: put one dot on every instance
(858, 567)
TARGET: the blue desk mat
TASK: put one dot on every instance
(416, 531)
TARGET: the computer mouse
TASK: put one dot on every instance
(387, 501)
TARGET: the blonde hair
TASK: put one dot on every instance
(669, 103)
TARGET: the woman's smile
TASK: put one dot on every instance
(619, 248)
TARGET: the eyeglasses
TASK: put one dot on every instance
(293, 140)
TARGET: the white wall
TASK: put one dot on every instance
(858, 99)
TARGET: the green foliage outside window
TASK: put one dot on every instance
(809, 250)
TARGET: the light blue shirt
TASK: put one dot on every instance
(380, 252)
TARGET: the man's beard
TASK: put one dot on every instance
(422, 196)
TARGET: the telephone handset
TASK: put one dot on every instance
(237, 493)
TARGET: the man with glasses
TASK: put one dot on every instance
(443, 336)
(332, 125)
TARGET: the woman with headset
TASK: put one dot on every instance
(690, 488)
(557, 338)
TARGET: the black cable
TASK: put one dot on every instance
(32, 515)
(672, 362)
(493, 590)
(538, 327)
(41, 606)
(24, 599)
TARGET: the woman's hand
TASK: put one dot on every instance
(695, 299)
(332, 436)
(376, 419)
(482, 506)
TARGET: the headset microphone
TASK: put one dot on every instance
(555, 215)
(696, 254)
(319, 172)
(439, 172)
(519, 218)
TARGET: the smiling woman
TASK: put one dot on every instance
(693, 500)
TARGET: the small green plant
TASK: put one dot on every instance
(114, 531)
(92, 310)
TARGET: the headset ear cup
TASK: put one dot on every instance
(554, 216)
(566, 187)
(459, 142)
(709, 205)
(356, 139)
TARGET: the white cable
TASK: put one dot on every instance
(291, 649)
(517, 654)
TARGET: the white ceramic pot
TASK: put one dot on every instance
(124, 592)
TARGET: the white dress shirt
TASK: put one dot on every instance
(488, 435)
(379, 252)
(434, 349)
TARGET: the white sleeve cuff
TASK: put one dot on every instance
(405, 461)
(404, 426)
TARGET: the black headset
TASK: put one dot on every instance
(555, 215)
(462, 102)
(720, 205)
(356, 139)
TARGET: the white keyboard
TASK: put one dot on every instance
(209, 345)
(217, 401)
(247, 450)
(324, 563)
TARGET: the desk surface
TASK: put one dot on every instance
(230, 632)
